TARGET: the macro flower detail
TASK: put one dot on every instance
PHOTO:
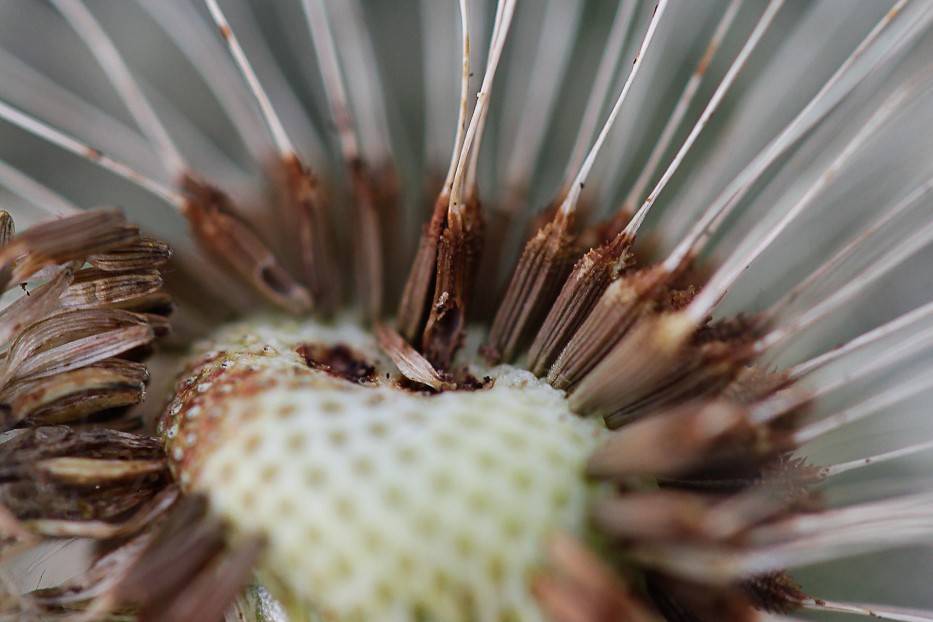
(546, 310)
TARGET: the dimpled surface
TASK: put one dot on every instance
(379, 503)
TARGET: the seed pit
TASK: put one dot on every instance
(297, 442)
(338, 360)
(269, 473)
(363, 466)
(315, 477)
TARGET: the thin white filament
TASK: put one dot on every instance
(482, 99)
(851, 465)
(878, 612)
(605, 72)
(802, 540)
(569, 204)
(363, 81)
(69, 143)
(760, 28)
(888, 214)
(815, 110)
(555, 45)
(28, 189)
(884, 360)
(116, 70)
(864, 409)
(187, 29)
(436, 47)
(322, 38)
(866, 339)
(47, 99)
(279, 136)
(907, 247)
(494, 43)
(710, 296)
(464, 95)
(680, 109)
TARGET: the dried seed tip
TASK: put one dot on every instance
(143, 254)
(161, 325)
(74, 395)
(705, 435)
(73, 339)
(457, 259)
(44, 342)
(72, 238)
(756, 384)
(41, 468)
(775, 592)
(301, 440)
(408, 360)
(738, 330)
(588, 280)
(33, 499)
(34, 444)
(40, 302)
(224, 236)
(308, 210)
(96, 288)
(683, 601)
(674, 372)
(582, 587)
(617, 310)
(656, 515)
(792, 478)
(7, 229)
(186, 544)
(95, 472)
(416, 297)
(77, 337)
(544, 265)
(211, 591)
(139, 520)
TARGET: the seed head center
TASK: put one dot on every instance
(378, 501)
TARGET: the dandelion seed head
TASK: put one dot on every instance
(585, 377)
